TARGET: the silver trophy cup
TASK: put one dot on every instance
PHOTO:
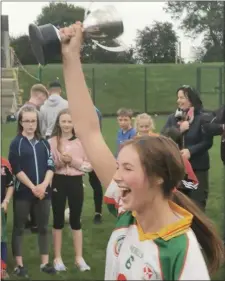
(101, 24)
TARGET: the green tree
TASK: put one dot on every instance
(201, 17)
(156, 44)
(60, 14)
(22, 49)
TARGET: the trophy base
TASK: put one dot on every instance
(45, 42)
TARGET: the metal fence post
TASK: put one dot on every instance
(220, 86)
(223, 81)
(93, 85)
(145, 90)
(198, 79)
(40, 72)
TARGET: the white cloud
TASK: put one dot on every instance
(136, 15)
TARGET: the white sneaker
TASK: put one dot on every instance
(59, 265)
(82, 266)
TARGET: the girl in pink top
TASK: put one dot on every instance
(71, 164)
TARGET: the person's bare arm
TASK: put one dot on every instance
(84, 115)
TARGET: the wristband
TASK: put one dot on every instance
(6, 200)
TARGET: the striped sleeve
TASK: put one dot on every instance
(8, 170)
(112, 199)
(190, 181)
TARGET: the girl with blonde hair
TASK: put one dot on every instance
(144, 125)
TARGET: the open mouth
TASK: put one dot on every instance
(124, 191)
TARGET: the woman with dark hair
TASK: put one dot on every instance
(32, 165)
(196, 144)
(154, 238)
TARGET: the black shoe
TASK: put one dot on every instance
(97, 219)
(28, 224)
(21, 271)
(48, 268)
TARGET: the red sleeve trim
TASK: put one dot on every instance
(5, 162)
(111, 201)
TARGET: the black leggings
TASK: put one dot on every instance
(64, 187)
(97, 190)
(200, 195)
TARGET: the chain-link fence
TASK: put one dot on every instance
(144, 88)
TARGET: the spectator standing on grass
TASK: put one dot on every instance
(216, 127)
(144, 125)
(126, 130)
(67, 184)
(7, 190)
(51, 108)
(32, 165)
(38, 95)
(187, 119)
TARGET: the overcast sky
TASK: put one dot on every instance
(135, 15)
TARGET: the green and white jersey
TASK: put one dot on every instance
(173, 253)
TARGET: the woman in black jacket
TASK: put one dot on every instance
(187, 119)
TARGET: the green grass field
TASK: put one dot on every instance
(96, 237)
(125, 84)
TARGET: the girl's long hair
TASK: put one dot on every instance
(204, 230)
(57, 132)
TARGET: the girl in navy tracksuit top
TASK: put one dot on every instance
(33, 167)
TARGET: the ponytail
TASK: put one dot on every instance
(204, 230)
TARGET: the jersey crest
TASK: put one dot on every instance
(148, 273)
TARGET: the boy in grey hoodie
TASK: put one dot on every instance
(51, 108)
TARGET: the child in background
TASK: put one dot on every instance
(144, 124)
(33, 168)
(126, 131)
(190, 182)
(7, 190)
(67, 184)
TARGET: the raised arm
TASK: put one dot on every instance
(83, 112)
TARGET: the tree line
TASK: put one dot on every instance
(155, 43)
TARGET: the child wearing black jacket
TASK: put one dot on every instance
(32, 165)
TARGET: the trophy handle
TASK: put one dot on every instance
(121, 48)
